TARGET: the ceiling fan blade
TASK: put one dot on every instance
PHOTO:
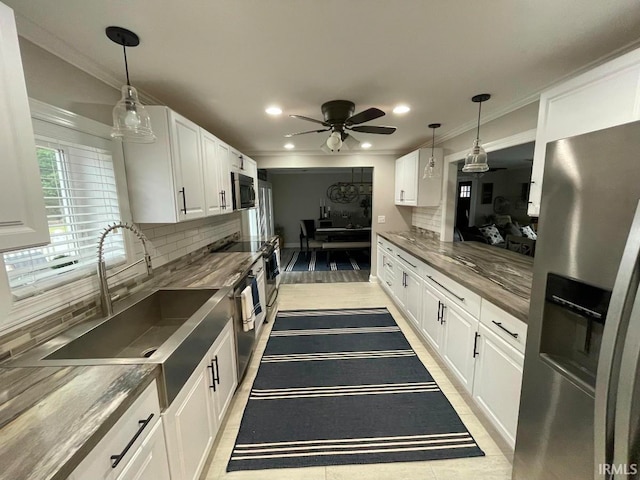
(302, 117)
(373, 129)
(289, 135)
(365, 116)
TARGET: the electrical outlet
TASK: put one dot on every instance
(382, 219)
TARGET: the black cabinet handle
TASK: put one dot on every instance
(115, 459)
(221, 199)
(439, 311)
(514, 335)
(442, 286)
(388, 283)
(407, 261)
(404, 280)
(184, 200)
(389, 249)
(213, 375)
(241, 162)
(217, 377)
(475, 345)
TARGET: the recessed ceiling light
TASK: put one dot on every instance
(289, 146)
(274, 110)
(400, 109)
(366, 145)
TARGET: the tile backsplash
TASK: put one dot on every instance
(170, 247)
(427, 218)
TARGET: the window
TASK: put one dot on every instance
(465, 191)
(79, 186)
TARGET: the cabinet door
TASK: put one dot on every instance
(23, 221)
(380, 264)
(399, 189)
(224, 359)
(458, 345)
(413, 297)
(187, 165)
(399, 291)
(497, 382)
(150, 461)
(191, 427)
(430, 325)
(211, 169)
(410, 178)
(224, 176)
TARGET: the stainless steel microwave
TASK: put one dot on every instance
(243, 191)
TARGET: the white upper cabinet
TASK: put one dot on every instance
(603, 97)
(213, 174)
(224, 176)
(411, 188)
(23, 220)
(165, 178)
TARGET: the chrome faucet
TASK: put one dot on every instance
(105, 298)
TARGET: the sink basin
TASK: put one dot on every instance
(139, 330)
(173, 328)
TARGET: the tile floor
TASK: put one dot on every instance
(496, 465)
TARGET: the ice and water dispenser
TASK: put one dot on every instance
(572, 328)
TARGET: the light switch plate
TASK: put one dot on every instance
(382, 219)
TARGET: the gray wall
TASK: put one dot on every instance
(56, 82)
(297, 196)
(397, 218)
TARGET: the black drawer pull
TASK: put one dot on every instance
(389, 249)
(438, 283)
(115, 459)
(514, 335)
(475, 345)
(213, 375)
(184, 200)
(407, 261)
(217, 377)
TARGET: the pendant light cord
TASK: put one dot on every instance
(478, 131)
(126, 65)
(433, 141)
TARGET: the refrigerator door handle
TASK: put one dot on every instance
(627, 402)
(616, 323)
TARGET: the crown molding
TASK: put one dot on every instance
(61, 49)
(317, 153)
(534, 97)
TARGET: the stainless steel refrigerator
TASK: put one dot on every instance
(580, 403)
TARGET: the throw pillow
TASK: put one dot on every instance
(528, 232)
(491, 233)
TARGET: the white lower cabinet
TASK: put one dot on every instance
(193, 418)
(431, 324)
(133, 448)
(497, 382)
(481, 344)
(150, 462)
(458, 344)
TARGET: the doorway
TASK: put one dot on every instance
(463, 205)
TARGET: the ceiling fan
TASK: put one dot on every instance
(339, 118)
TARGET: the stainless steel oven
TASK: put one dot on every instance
(243, 191)
(245, 341)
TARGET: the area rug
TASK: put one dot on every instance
(316, 261)
(339, 387)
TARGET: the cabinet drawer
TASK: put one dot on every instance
(506, 326)
(386, 246)
(455, 292)
(98, 463)
(408, 261)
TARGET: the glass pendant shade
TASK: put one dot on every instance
(334, 142)
(476, 160)
(131, 122)
(430, 168)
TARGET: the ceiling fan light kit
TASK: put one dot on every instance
(430, 170)
(339, 119)
(476, 160)
(131, 122)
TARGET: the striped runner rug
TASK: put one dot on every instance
(340, 387)
(316, 261)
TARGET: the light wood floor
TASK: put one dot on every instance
(496, 465)
(340, 276)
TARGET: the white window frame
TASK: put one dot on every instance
(30, 309)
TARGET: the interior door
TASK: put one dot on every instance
(463, 204)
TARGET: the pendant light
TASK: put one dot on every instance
(430, 167)
(476, 161)
(334, 142)
(131, 122)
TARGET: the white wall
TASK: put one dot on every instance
(297, 196)
(396, 218)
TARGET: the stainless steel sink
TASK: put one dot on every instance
(173, 328)
(138, 331)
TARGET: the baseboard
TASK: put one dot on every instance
(373, 279)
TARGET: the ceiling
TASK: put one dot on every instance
(222, 62)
